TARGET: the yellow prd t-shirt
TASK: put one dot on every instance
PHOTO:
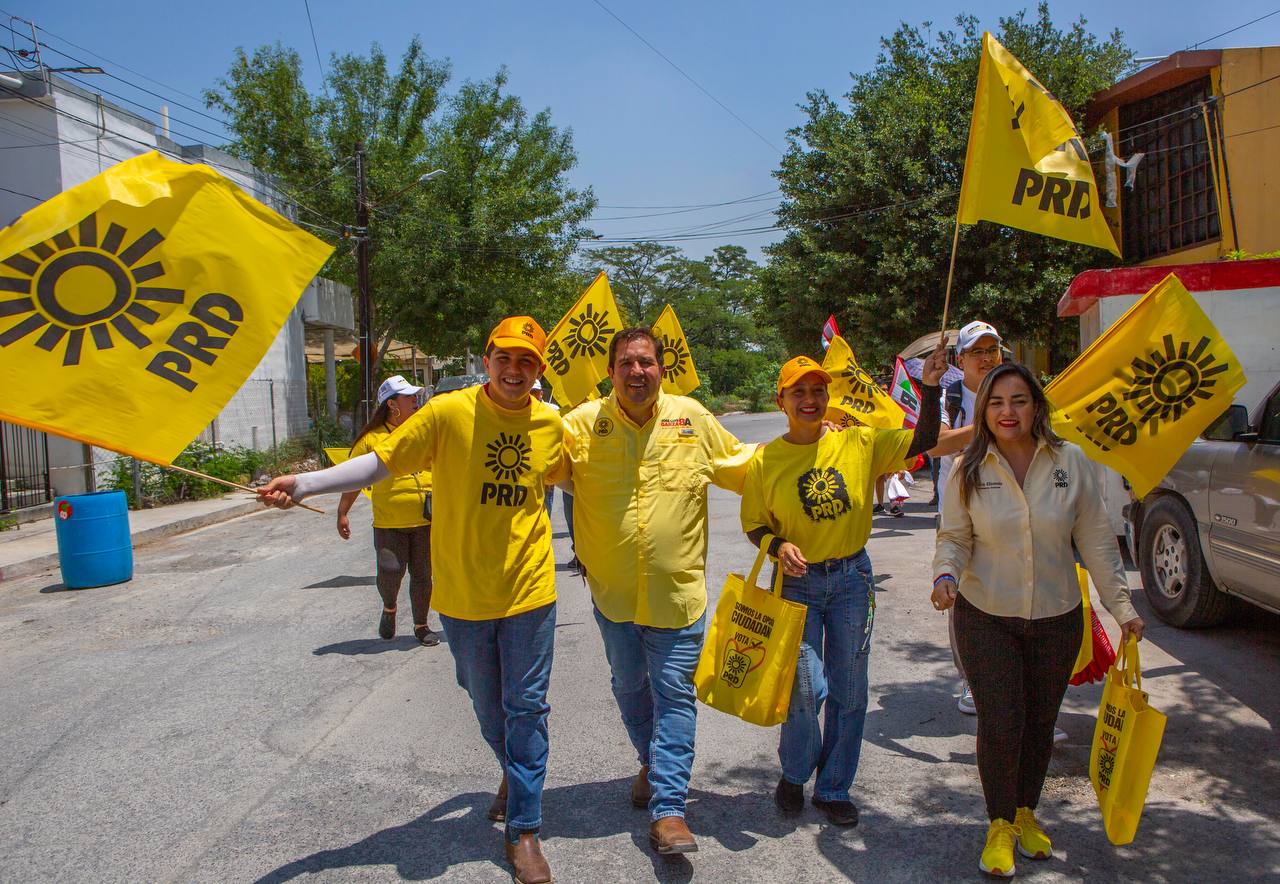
(490, 535)
(819, 496)
(398, 501)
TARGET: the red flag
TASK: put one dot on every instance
(904, 391)
(829, 331)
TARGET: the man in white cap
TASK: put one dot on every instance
(978, 351)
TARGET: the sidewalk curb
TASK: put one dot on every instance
(49, 561)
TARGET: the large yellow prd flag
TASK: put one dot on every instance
(578, 347)
(1137, 398)
(855, 392)
(1026, 166)
(133, 306)
(678, 374)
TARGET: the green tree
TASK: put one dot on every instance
(493, 236)
(870, 187)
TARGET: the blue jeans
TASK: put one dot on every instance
(834, 655)
(548, 499)
(652, 678)
(505, 666)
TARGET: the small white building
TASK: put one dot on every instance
(54, 135)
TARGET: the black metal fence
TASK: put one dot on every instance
(24, 468)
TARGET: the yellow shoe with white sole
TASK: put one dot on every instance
(1033, 843)
(997, 856)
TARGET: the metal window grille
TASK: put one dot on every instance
(24, 468)
(1173, 204)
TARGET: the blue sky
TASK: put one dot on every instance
(646, 136)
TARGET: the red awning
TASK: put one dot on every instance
(1214, 276)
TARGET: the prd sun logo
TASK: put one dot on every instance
(823, 494)
(1165, 385)
(78, 282)
(860, 383)
(589, 332)
(674, 357)
(508, 456)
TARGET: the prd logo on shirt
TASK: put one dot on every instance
(603, 427)
(78, 282)
(823, 494)
(1060, 478)
(674, 357)
(508, 460)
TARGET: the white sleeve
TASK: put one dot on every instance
(350, 475)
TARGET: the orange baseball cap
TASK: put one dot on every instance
(518, 333)
(797, 368)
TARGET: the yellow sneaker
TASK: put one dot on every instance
(997, 856)
(1033, 843)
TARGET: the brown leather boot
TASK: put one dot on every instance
(641, 791)
(526, 858)
(671, 835)
(498, 807)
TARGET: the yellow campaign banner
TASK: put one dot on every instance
(1137, 398)
(578, 347)
(1026, 165)
(678, 374)
(856, 393)
(133, 306)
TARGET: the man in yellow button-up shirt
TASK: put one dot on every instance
(641, 462)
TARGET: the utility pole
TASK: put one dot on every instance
(365, 339)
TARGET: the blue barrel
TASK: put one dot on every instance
(94, 546)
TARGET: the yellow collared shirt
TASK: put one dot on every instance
(640, 505)
(1011, 546)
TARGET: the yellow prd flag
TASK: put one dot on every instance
(1026, 166)
(678, 374)
(855, 392)
(578, 347)
(133, 306)
(1137, 398)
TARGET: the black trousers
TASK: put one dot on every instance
(1018, 670)
(398, 550)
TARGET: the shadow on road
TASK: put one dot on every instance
(344, 580)
(356, 646)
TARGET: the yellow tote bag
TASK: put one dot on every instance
(1125, 742)
(749, 658)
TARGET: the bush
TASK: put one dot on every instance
(760, 391)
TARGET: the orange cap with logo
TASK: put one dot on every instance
(797, 368)
(518, 333)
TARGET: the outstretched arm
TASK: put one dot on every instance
(350, 475)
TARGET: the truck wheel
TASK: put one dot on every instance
(1174, 574)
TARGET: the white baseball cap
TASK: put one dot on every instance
(537, 385)
(970, 333)
(396, 385)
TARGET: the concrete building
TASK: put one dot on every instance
(55, 134)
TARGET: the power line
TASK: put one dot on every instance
(38, 199)
(1236, 28)
(687, 209)
(324, 77)
(684, 74)
(697, 205)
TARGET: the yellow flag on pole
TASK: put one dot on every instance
(578, 347)
(1137, 398)
(1026, 165)
(133, 306)
(856, 393)
(678, 374)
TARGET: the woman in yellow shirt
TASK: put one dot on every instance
(401, 516)
(811, 490)
(1015, 502)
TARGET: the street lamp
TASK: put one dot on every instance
(365, 343)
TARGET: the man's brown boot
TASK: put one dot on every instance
(498, 807)
(526, 858)
(671, 835)
(641, 791)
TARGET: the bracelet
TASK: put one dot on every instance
(942, 577)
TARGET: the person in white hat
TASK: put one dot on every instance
(401, 516)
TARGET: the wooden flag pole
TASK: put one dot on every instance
(951, 272)
(205, 476)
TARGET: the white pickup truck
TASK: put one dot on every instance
(1212, 527)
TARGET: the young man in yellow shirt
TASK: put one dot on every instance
(492, 450)
(641, 462)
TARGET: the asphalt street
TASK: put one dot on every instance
(230, 715)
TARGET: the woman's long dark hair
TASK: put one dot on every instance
(976, 451)
(377, 419)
